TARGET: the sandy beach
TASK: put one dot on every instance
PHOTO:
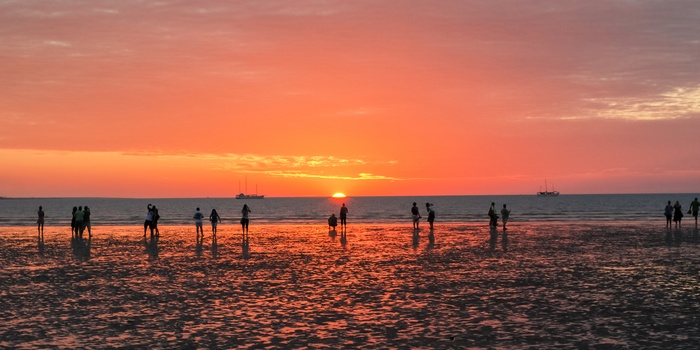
(554, 285)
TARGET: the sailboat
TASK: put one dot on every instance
(547, 193)
(246, 195)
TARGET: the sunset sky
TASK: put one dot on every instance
(308, 98)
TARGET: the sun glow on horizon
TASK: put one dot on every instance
(338, 195)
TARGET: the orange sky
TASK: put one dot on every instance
(309, 98)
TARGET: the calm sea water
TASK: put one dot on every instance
(365, 210)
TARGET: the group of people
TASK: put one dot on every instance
(675, 212)
(493, 216)
(415, 214)
(80, 221)
(151, 222)
(215, 219)
(333, 220)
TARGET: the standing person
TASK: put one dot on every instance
(154, 223)
(72, 222)
(694, 208)
(215, 219)
(332, 222)
(86, 221)
(668, 212)
(40, 222)
(492, 215)
(198, 216)
(244, 219)
(79, 217)
(149, 221)
(431, 214)
(677, 214)
(415, 215)
(505, 213)
(343, 216)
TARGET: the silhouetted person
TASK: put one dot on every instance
(215, 220)
(72, 222)
(149, 220)
(40, 223)
(86, 222)
(198, 217)
(332, 222)
(668, 212)
(415, 215)
(245, 220)
(343, 216)
(677, 214)
(431, 214)
(493, 218)
(694, 208)
(154, 223)
(79, 221)
(505, 214)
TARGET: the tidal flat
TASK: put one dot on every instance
(536, 285)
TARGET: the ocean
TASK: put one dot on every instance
(362, 210)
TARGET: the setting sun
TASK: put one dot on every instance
(338, 195)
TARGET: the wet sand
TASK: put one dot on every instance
(580, 286)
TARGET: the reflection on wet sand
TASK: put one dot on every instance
(151, 246)
(493, 239)
(584, 286)
(81, 247)
(344, 236)
(214, 246)
(40, 244)
(416, 238)
(245, 246)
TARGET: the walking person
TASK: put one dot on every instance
(343, 216)
(215, 219)
(40, 222)
(431, 215)
(677, 214)
(415, 215)
(245, 220)
(694, 208)
(668, 212)
(198, 216)
(505, 213)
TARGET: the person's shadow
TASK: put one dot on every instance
(431, 239)
(81, 247)
(416, 238)
(151, 246)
